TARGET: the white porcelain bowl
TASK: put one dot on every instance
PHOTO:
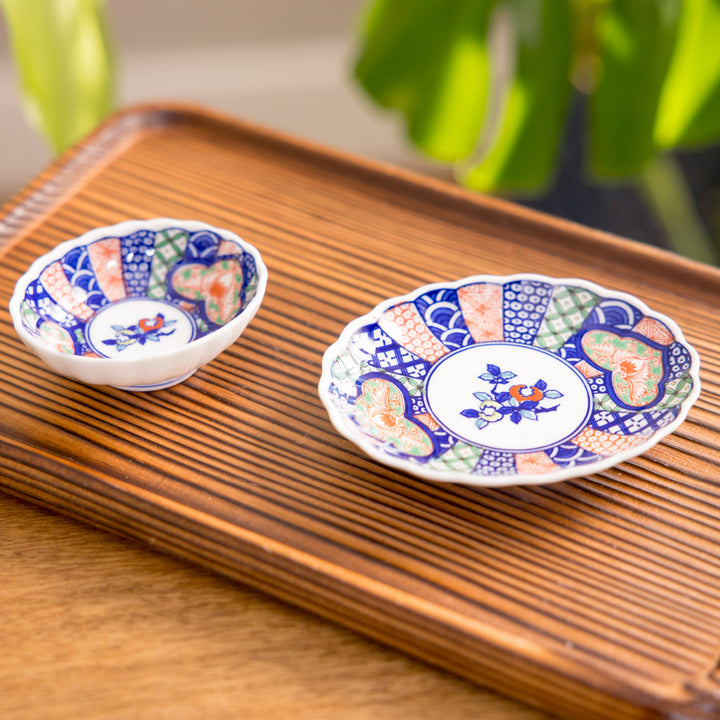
(139, 305)
(506, 380)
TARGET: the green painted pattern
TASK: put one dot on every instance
(414, 386)
(607, 404)
(29, 317)
(346, 370)
(637, 368)
(380, 412)
(56, 336)
(461, 457)
(197, 282)
(567, 311)
(169, 248)
(202, 326)
(676, 392)
(251, 287)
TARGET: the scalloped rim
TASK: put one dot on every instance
(110, 371)
(349, 431)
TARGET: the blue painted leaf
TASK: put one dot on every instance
(528, 414)
(547, 409)
(503, 397)
(540, 385)
(507, 410)
(552, 394)
(516, 417)
(494, 369)
(507, 375)
(481, 396)
(528, 404)
(469, 413)
(480, 423)
(487, 377)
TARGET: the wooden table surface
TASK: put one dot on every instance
(594, 598)
(100, 626)
(95, 626)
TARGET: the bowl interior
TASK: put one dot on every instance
(126, 294)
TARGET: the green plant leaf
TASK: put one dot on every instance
(689, 110)
(429, 59)
(635, 40)
(62, 54)
(521, 153)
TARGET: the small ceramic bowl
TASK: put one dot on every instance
(140, 305)
(505, 380)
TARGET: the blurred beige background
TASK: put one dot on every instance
(285, 65)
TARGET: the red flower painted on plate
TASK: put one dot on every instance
(523, 392)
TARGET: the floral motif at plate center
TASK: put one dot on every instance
(459, 390)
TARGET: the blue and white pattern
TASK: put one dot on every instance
(441, 312)
(495, 463)
(524, 306)
(570, 455)
(203, 246)
(618, 314)
(624, 423)
(80, 273)
(137, 251)
(389, 355)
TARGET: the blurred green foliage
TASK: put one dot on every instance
(483, 84)
(64, 61)
(651, 68)
(486, 84)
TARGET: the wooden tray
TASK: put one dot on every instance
(592, 598)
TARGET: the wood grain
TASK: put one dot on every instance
(100, 628)
(592, 598)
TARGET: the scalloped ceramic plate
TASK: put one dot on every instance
(509, 380)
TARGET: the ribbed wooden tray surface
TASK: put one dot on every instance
(592, 598)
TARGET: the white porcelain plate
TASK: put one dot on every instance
(139, 305)
(508, 380)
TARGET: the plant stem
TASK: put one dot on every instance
(664, 187)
